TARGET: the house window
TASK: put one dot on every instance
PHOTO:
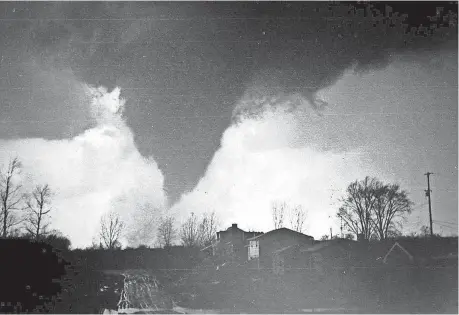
(254, 250)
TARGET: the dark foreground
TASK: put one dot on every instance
(42, 281)
(236, 289)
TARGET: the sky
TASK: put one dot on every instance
(153, 108)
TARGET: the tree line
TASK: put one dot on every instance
(195, 231)
(26, 214)
(23, 213)
(370, 209)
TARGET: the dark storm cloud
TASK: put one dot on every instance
(294, 47)
(178, 48)
(188, 59)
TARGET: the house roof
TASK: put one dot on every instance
(233, 228)
(277, 231)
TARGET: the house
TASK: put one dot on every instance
(232, 242)
(269, 248)
(422, 251)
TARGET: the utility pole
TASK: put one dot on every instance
(428, 191)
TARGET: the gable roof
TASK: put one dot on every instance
(232, 228)
(236, 228)
(283, 229)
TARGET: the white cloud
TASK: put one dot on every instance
(277, 155)
(95, 172)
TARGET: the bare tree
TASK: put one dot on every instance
(372, 208)
(392, 205)
(189, 232)
(297, 218)
(10, 195)
(208, 229)
(199, 232)
(111, 228)
(295, 215)
(278, 211)
(166, 231)
(358, 205)
(38, 205)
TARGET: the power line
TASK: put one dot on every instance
(419, 206)
(446, 226)
(445, 223)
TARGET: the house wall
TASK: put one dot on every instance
(280, 239)
(233, 242)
